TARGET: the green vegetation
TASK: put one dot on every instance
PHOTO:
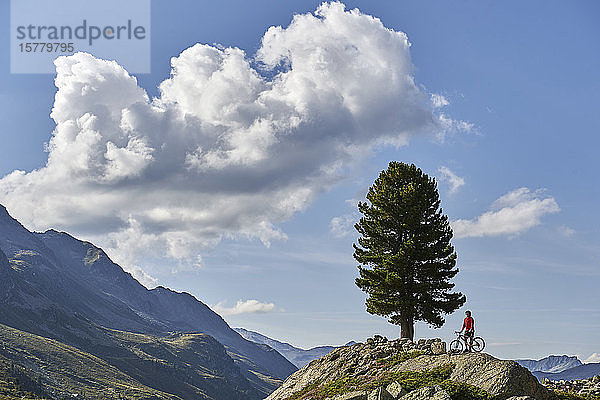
(126, 365)
(401, 357)
(15, 383)
(32, 365)
(405, 255)
(408, 379)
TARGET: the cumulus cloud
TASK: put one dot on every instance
(511, 214)
(451, 178)
(244, 307)
(227, 149)
(593, 358)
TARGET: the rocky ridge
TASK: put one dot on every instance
(382, 369)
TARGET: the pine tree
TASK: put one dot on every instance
(404, 250)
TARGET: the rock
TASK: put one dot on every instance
(520, 398)
(358, 395)
(500, 378)
(438, 347)
(395, 389)
(427, 393)
(380, 394)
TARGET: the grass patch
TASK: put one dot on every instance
(401, 357)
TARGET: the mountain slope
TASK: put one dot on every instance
(56, 286)
(156, 307)
(51, 369)
(583, 371)
(551, 364)
(298, 357)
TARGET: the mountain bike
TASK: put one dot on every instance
(459, 344)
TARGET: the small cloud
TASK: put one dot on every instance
(343, 225)
(452, 126)
(438, 101)
(451, 178)
(566, 231)
(244, 307)
(511, 214)
(593, 358)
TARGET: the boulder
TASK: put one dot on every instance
(380, 394)
(520, 398)
(438, 347)
(395, 389)
(427, 393)
(501, 378)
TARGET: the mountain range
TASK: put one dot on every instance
(552, 364)
(68, 291)
(297, 356)
(583, 371)
(558, 368)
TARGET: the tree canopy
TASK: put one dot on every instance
(404, 250)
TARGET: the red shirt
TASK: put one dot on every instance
(469, 323)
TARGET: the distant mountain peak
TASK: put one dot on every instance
(551, 364)
(297, 356)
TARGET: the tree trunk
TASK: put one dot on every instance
(407, 329)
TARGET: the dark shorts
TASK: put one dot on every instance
(470, 333)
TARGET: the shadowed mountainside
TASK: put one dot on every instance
(58, 287)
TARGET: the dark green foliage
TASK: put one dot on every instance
(404, 250)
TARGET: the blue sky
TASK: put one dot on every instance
(523, 77)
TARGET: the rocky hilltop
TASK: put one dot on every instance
(400, 369)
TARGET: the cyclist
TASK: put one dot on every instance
(469, 328)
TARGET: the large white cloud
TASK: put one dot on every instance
(511, 214)
(226, 149)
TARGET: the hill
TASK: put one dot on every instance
(551, 364)
(50, 369)
(58, 287)
(382, 369)
(297, 356)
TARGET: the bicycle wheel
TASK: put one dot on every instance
(456, 346)
(478, 344)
